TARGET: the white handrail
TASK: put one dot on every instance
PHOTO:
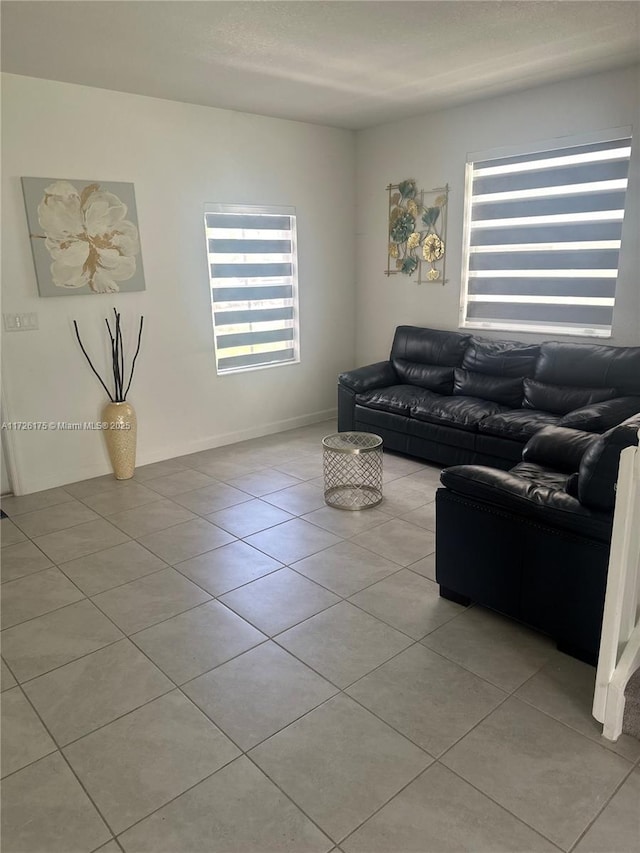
(619, 655)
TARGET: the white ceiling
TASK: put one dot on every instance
(347, 64)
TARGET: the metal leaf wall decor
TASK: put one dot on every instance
(417, 231)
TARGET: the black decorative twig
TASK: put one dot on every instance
(75, 325)
(133, 363)
(117, 358)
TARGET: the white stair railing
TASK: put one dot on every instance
(619, 655)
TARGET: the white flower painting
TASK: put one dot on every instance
(84, 236)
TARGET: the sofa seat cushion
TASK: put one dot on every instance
(461, 412)
(539, 474)
(518, 425)
(529, 498)
(398, 399)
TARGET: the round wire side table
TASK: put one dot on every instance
(352, 465)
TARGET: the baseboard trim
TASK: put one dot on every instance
(51, 480)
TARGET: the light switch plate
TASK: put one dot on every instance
(21, 322)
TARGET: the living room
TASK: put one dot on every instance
(69, 120)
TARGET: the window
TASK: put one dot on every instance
(542, 236)
(253, 274)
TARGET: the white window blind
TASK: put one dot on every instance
(253, 274)
(543, 235)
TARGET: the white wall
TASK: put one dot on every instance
(179, 157)
(433, 149)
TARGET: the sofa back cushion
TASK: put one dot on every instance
(598, 472)
(498, 389)
(427, 357)
(589, 366)
(561, 399)
(501, 358)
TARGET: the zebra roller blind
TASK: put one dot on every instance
(253, 273)
(542, 238)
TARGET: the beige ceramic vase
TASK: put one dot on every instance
(120, 435)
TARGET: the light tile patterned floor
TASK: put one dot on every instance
(207, 658)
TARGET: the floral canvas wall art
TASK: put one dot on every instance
(84, 236)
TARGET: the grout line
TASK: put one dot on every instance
(64, 758)
(600, 811)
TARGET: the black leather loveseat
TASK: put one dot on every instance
(452, 398)
(536, 538)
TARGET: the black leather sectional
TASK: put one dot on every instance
(536, 537)
(453, 399)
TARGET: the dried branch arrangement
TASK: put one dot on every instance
(120, 392)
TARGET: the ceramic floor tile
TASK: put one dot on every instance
(343, 643)
(24, 738)
(441, 812)
(159, 515)
(249, 517)
(35, 595)
(10, 534)
(344, 523)
(7, 681)
(225, 469)
(264, 482)
(237, 810)
(346, 568)
(408, 602)
(213, 498)
(112, 567)
(177, 484)
(21, 560)
(45, 810)
(74, 542)
(160, 469)
(279, 600)
(617, 828)
(17, 505)
(53, 518)
(494, 647)
(425, 567)
(428, 475)
(111, 847)
(399, 541)
(186, 540)
(358, 763)
(42, 644)
(305, 467)
(115, 501)
(395, 466)
(305, 497)
(292, 540)
(552, 778)
(94, 690)
(150, 599)
(564, 689)
(258, 693)
(228, 567)
(97, 485)
(402, 496)
(196, 641)
(427, 698)
(141, 761)
(423, 516)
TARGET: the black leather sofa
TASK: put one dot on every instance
(536, 538)
(452, 398)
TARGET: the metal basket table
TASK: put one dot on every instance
(352, 465)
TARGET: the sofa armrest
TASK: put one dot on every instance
(558, 448)
(535, 501)
(602, 416)
(371, 376)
